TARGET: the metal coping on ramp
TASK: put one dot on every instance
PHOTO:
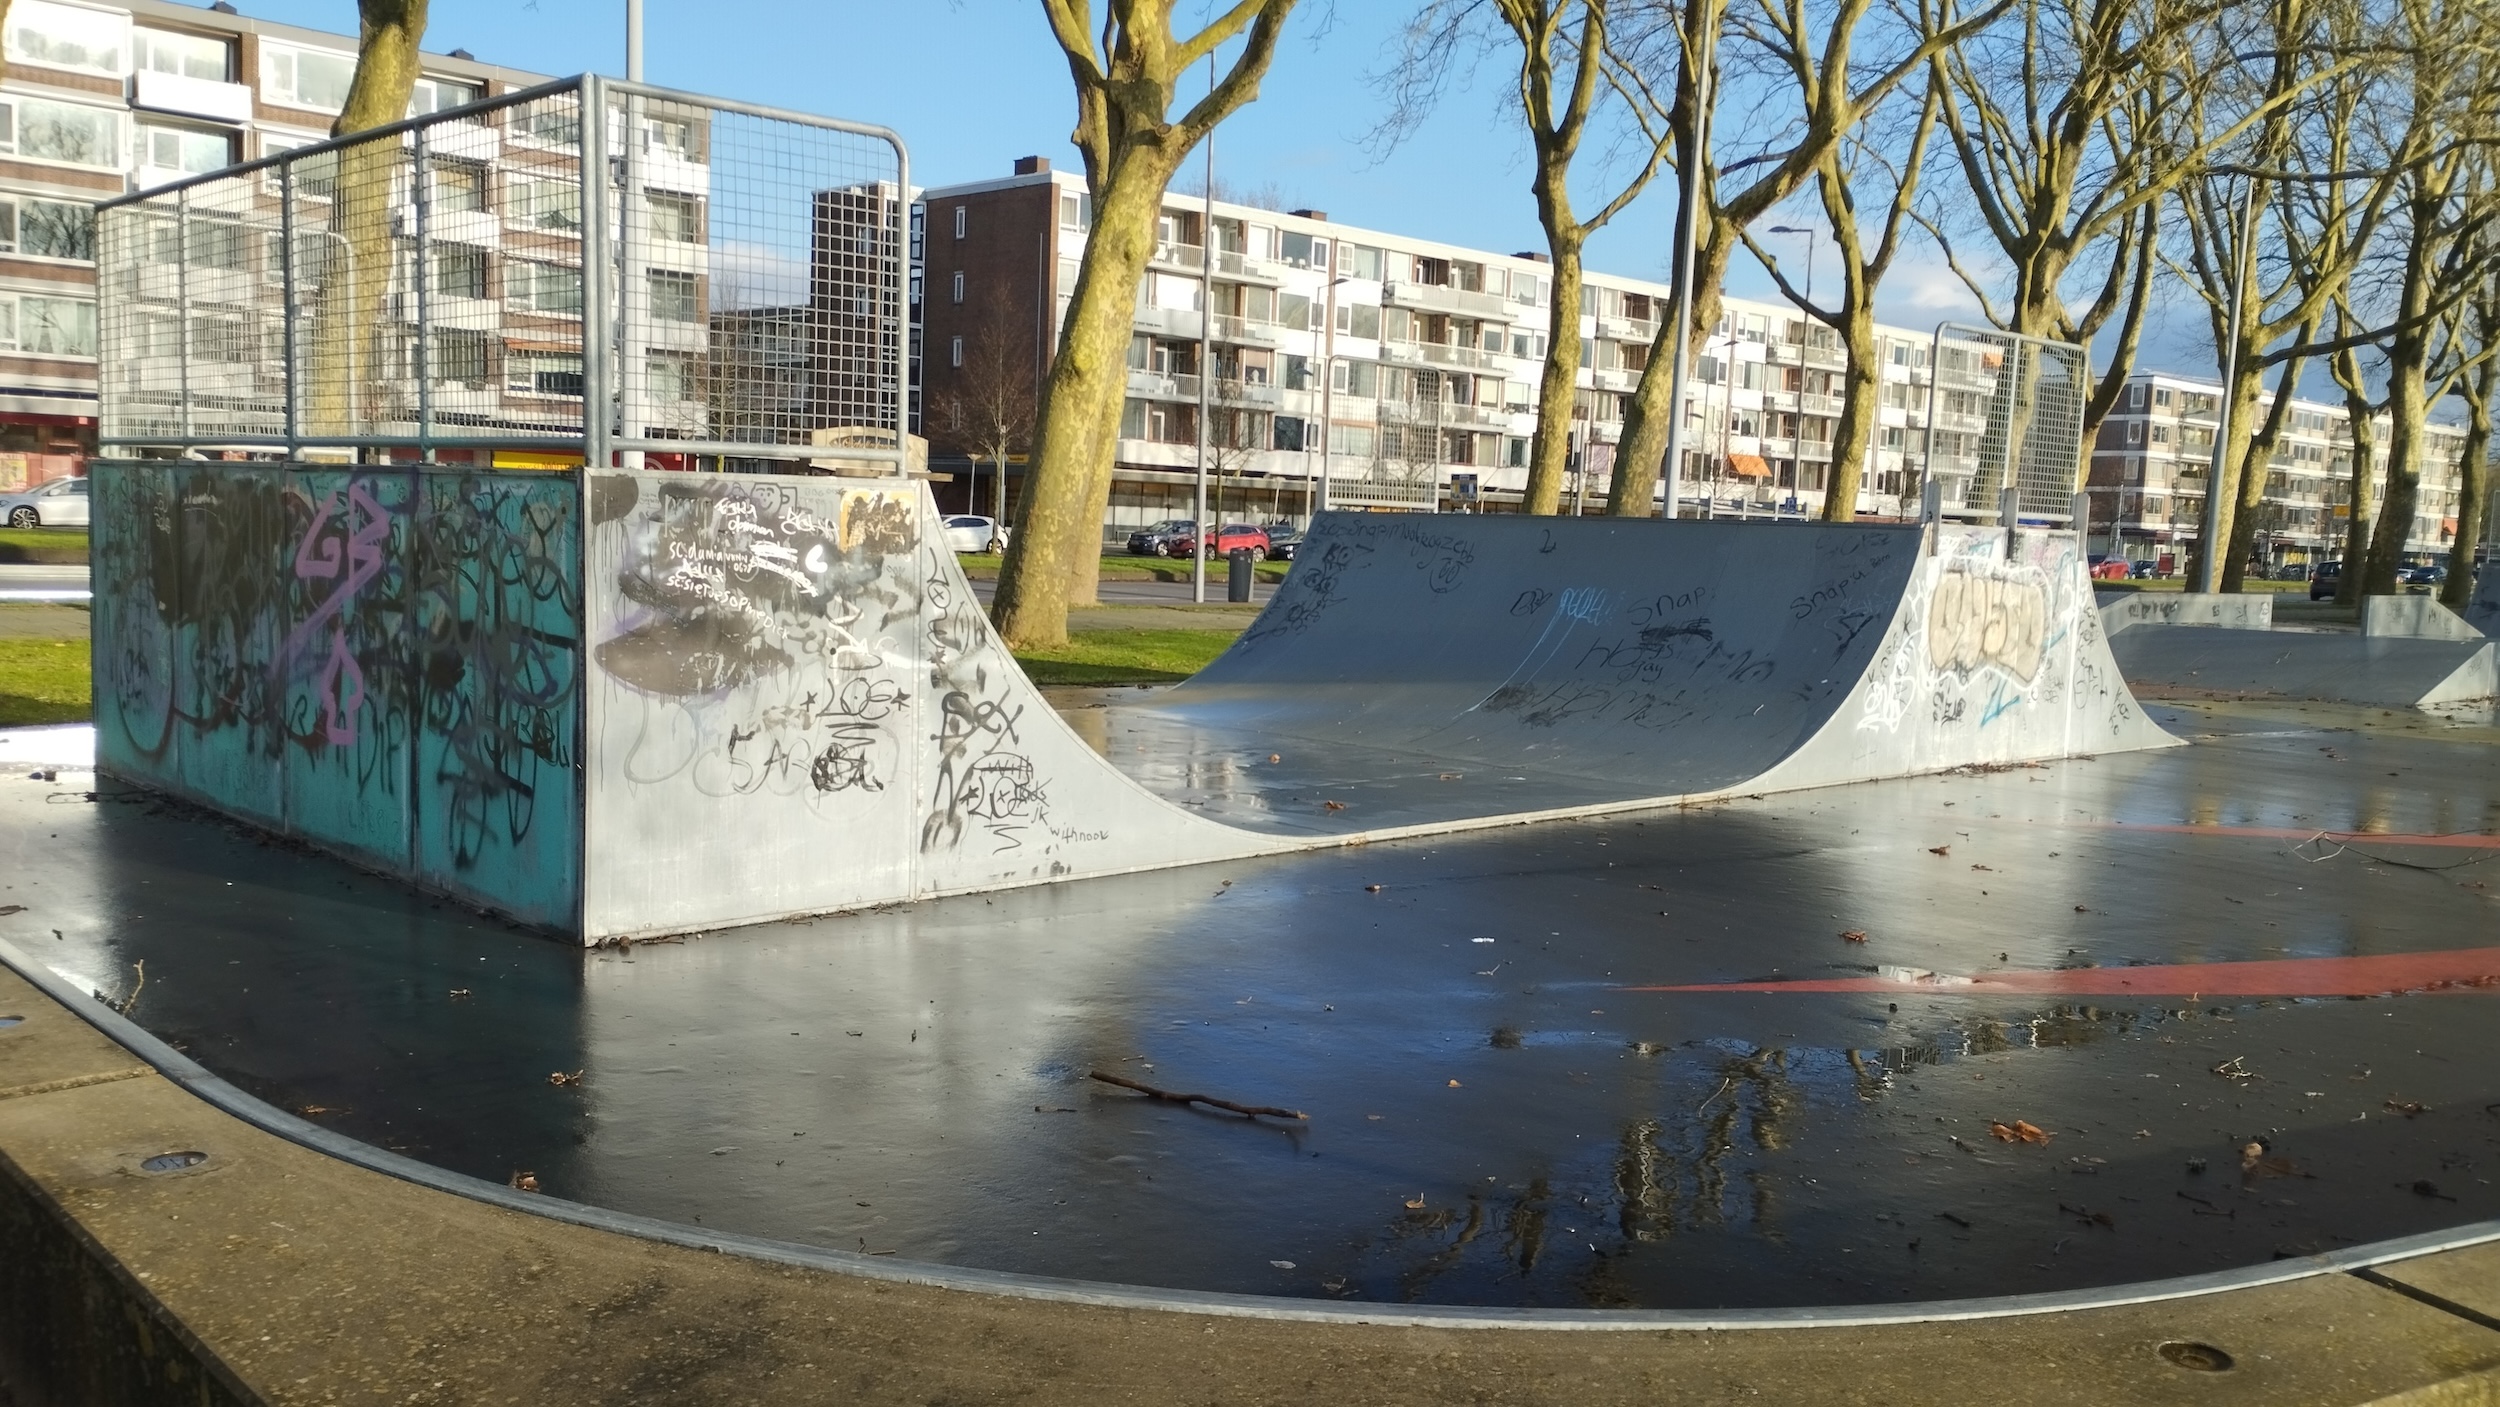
(580, 703)
(199, 1081)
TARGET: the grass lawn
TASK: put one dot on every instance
(1127, 656)
(1123, 567)
(44, 681)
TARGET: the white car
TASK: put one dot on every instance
(59, 504)
(968, 533)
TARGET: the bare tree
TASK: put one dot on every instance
(1127, 75)
(1837, 181)
(1813, 48)
(2362, 482)
(1566, 71)
(987, 409)
(2477, 389)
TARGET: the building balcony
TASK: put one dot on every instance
(1614, 379)
(1439, 298)
(1167, 255)
(1626, 330)
(1961, 422)
(1241, 268)
(1967, 380)
(1229, 328)
(1779, 447)
(191, 97)
(1828, 358)
(1181, 323)
(1162, 386)
(1812, 404)
(1815, 451)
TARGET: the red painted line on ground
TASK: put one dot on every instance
(2462, 840)
(2469, 969)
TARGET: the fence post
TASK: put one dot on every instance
(597, 414)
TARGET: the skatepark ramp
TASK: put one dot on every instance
(644, 702)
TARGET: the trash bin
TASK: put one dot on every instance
(1237, 586)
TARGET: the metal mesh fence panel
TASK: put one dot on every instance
(424, 287)
(759, 281)
(2006, 411)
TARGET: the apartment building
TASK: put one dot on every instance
(2155, 452)
(102, 99)
(1410, 367)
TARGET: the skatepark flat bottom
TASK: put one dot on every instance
(1503, 1107)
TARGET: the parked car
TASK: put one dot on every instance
(2323, 580)
(1156, 539)
(2109, 569)
(969, 532)
(1228, 537)
(59, 504)
(1283, 540)
(2424, 579)
(2144, 570)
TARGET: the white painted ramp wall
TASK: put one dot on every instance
(797, 706)
(1996, 656)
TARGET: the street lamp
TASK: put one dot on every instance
(1809, 233)
(1328, 379)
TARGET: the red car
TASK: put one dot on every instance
(2110, 569)
(1228, 537)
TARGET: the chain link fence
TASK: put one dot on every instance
(742, 275)
(2005, 411)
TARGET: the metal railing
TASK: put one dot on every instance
(742, 273)
(2029, 429)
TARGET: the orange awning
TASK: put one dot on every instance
(1750, 466)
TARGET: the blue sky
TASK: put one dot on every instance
(973, 84)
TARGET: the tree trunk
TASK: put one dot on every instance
(2360, 416)
(1057, 552)
(1558, 386)
(2473, 484)
(2406, 383)
(350, 359)
(2256, 468)
(1861, 406)
(1643, 452)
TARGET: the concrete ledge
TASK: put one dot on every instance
(271, 1272)
(2247, 611)
(2414, 618)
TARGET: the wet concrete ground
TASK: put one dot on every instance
(1495, 1122)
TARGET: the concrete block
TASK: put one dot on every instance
(2122, 610)
(2411, 617)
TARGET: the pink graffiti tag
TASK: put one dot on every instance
(341, 682)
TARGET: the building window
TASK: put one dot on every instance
(2135, 428)
(76, 136)
(676, 218)
(959, 222)
(458, 185)
(674, 297)
(190, 55)
(672, 136)
(460, 271)
(959, 285)
(1076, 212)
(63, 327)
(955, 351)
(188, 150)
(457, 355)
(49, 229)
(668, 377)
(307, 78)
(544, 205)
(67, 36)
(542, 288)
(432, 95)
(543, 374)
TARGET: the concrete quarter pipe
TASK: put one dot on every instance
(776, 696)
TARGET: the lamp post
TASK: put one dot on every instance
(1809, 233)
(1687, 230)
(1328, 379)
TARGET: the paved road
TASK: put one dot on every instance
(30, 583)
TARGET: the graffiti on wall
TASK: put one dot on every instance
(379, 660)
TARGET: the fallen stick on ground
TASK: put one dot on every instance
(1248, 1110)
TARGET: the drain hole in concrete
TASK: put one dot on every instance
(6, 1021)
(2197, 1357)
(176, 1162)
